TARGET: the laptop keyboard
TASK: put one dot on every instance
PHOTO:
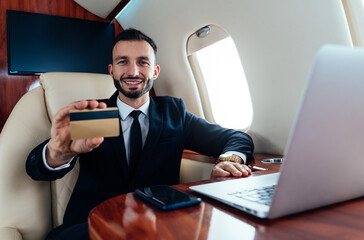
(261, 195)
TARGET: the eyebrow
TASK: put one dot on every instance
(126, 57)
(144, 58)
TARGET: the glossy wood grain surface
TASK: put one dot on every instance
(128, 217)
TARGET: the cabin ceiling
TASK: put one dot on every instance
(106, 9)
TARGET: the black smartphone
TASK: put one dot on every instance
(167, 198)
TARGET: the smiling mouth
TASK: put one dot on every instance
(133, 82)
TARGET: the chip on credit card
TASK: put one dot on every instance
(99, 122)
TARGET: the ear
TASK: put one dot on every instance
(156, 72)
(110, 70)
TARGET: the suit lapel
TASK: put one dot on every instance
(155, 129)
(120, 154)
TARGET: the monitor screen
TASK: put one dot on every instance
(39, 43)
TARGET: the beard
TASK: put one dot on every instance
(133, 94)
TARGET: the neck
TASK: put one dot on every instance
(134, 102)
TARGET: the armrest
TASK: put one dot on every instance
(195, 156)
(10, 233)
(195, 166)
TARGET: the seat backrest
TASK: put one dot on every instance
(28, 208)
(60, 89)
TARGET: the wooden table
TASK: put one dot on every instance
(128, 217)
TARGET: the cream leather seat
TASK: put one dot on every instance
(28, 208)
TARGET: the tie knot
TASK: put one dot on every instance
(135, 114)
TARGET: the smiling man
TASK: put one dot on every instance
(154, 133)
(133, 70)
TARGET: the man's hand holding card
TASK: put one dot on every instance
(62, 146)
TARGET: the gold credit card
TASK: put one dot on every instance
(89, 123)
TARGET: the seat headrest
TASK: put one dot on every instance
(62, 88)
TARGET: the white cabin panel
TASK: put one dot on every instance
(276, 41)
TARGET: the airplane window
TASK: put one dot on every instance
(222, 84)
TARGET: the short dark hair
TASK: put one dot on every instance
(132, 34)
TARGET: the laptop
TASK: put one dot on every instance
(324, 158)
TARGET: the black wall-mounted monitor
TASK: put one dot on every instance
(39, 43)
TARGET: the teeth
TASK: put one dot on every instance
(133, 83)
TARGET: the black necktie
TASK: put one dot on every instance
(135, 139)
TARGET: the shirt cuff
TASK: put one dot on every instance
(66, 165)
(242, 155)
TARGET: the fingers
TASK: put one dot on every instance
(243, 169)
(94, 142)
(224, 169)
(61, 119)
(85, 145)
(219, 172)
(91, 104)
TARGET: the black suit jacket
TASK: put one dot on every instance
(104, 172)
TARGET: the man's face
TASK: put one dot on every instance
(133, 68)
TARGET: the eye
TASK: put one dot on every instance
(122, 62)
(144, 63)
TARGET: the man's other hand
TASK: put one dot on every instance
(226, 169)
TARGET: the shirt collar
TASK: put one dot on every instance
(125, 109)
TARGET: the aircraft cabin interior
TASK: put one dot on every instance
(241, 64)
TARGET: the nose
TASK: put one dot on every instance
(132, 70)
